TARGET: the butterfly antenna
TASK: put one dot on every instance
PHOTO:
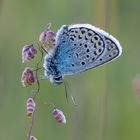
(66, 85)
(39, 68)
(42, 48)
(74, 100)
(66, 93)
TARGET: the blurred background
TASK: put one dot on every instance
(108, 106)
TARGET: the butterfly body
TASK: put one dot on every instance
(79, 47)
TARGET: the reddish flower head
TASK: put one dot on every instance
(59, 116)
(32, 138)
(28, 52)
(28, 77)
(30, 107)
(47, 39)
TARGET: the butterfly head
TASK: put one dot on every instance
(56, 80)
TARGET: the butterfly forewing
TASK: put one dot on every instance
(84, 47)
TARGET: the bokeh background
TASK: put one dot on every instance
(107, 106)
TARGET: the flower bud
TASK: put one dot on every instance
(47, 39)
(30, 107)
(28, 77)
(32, 138)
(28, 52)
(59, 116)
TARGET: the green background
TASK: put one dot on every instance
(107, 108)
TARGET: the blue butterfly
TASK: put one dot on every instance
(78, 48)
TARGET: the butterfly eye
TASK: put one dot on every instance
(56, 80)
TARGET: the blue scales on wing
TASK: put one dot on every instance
(80, 47)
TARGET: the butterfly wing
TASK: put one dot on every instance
(81, 47)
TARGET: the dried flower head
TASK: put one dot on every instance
(28, 77)
(32, 138)
(28, 52)
(30, 107)
(59, 116)
(47, 39)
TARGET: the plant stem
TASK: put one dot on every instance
(31, 127)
